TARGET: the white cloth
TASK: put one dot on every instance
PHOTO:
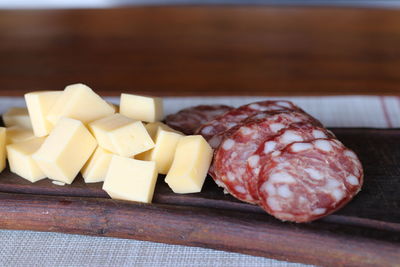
(27, 248)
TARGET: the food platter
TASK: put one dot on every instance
(365, 232)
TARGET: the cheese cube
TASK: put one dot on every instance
(152, 128)
(121, 135)
(39, 104)
(143, 108)
(79, 102)
(21, 161)
(131, 179)
(65, 151)
(2, 148)
(164, 150)
(190, 166)
(96, 168)
(17, 134)
(17, 117)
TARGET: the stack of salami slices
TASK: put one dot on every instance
(275, 155)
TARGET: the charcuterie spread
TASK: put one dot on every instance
(274, 154)
(268, 153)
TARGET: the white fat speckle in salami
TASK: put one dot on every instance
(284, 191)
(275, 153)
(319, 134)
(290, 137)
(350, 154)
(245, 130)
(230, 176)
(255, 107)
(253, 160)
(319, 211)
(275, 127)
(314, 174)
(274, 204)
(338, 194)
(323, 145)
(351, 179)
(228, 144)
(332, 183)
(297, 147)
(284, 104)
(207, 130)
(282, 177)
(240, 189)
(231, 124)
(269, 147)
(270, 188)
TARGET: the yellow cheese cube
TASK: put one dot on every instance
(164, 150)
(39, 104)
(79, 102)
(190, 166)
(121, 135)
(65, 151)
(152, 128)
(131, 179)
(17, 117)
(143, 108)
(2, 148)
(96, 168)
(17, 134)
(21, 161)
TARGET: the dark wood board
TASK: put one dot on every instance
(364, 233)
(202, 50)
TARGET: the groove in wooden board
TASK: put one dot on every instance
(254, 234)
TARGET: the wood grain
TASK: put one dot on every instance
(205, 50)
(364, 233)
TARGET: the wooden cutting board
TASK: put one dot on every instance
(364, 233)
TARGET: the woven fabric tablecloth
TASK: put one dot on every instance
(27, 248)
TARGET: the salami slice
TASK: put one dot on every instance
(233, 117)
(229, 165)
(297, 132)
(309, 180)
(189, 119)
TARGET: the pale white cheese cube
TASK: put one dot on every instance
(121, 135)
(131, 179)
(79, 102)
(17, 134)
(143, 108)
(39, 104)
(16, 116)
(96, 167)
(66, 150)
(164, 150)
(21, 162)
(190, 165)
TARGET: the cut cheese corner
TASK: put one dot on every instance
(190, 165)
(143, 108)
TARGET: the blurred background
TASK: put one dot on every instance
(201, 47)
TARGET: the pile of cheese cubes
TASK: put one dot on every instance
(62, 133)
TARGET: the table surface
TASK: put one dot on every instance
(193, 51)
(189, 50)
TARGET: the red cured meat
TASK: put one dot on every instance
(234, 117)
(309, 180)
(189, 119)
(229, 165)
(298, 132)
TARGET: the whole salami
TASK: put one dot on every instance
(189, 119)
(308, 180)
(229, 165)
